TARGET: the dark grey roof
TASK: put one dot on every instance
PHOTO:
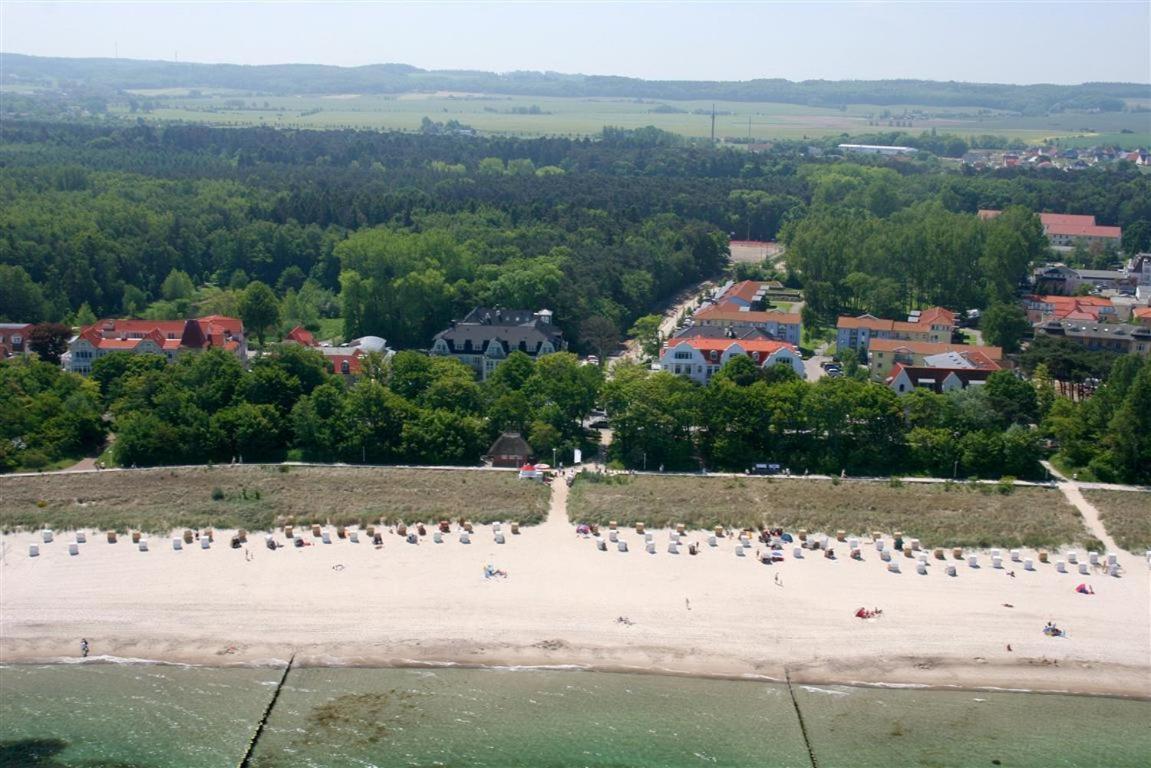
(1101, 274)
(718, 332)
(510, 444)
(511, 328)
(1083, 329)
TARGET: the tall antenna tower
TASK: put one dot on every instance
(713, 123)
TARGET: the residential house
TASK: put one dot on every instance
(933, 325)
(1054, 307)
(509, 450)
(782, 325)
(486, 337)
(1141, 316)
(1064, 230)
(886, 353)
(1139, 269)
(1122, 339)
(699, 358)
(169, 338)
(730, 332)
(344, 360)
(905, 378)
(750, 294)
(14, 339)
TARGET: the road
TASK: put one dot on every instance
(685, 299)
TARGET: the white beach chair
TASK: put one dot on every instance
(879, 545)
(1029, 564)
(33, 550)
(673, 536)
(921, 568)
(177, 543)
(651, 547)
(996, 561)
(354, 536)
(893, 566)
(1015, 555)
(47, 535)
(465, 537)
(915, 545)
(1072, 557)
(746, 543)
(1085, 569)
(600, 544)
(885, 556)
(1093, 558)
(437, 537)
(613, 535)
(1113, 570)
(81, 537)
(951, 570)
(205, 542)
(499, 538)
(622, 545)
(648, 536)
(996, 553)
(712, 541)
(73, 548)
(673, 548)
(1112, 558)
(973, 561)
(922, 557)
(739, 552)
(853, 543)
(496, 527)
(143, 545)
(797, 553)
(1061, 566)
(326, 537)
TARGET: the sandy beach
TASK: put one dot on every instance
(711, 614)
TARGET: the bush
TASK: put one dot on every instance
(217, 493)
(34, 460)
(895, 482)
(1006, 485)
(283, 469)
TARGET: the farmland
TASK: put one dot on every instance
(584, 116)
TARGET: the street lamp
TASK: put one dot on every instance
(645, 461)
(955, 469)
(553, 457)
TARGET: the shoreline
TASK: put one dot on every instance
(1031, 676)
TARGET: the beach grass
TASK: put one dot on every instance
(258, 498)
(940, 515)
(1126, 515)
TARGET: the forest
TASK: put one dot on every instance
(396, 234)
(109, 75)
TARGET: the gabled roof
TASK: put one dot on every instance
(972, 359)
(506, 327)
(729, 312)
(723, 345)
(301, 336)
(934, 378)
(717, 332)
(929, 348)
(928, 317)
(510, 444)
(214, 331)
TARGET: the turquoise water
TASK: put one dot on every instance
(150, 716)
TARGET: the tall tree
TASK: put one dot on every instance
(259, 309)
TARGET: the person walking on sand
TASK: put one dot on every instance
(83, 647)
(687, 603)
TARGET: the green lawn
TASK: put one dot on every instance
(938, 514)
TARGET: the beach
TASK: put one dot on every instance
(714, 614)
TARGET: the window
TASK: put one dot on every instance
(345, 368)
(683, 355)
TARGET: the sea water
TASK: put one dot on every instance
(152, 716)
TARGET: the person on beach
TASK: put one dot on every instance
(83, 647)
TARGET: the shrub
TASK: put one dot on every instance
(895, 482)
(34, 460)
(1006, 485)
(217, 493)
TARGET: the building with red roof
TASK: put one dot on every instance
(727, 314)
(905, 378)
(886, 353)
(934, 324)
(1063, 230)
(169, 338)
(699, 358)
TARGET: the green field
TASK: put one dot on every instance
(549, 116)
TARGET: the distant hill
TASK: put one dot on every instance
(126, 74)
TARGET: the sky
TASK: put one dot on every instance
(1006, 41)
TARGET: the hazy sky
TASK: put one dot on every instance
(1003, 41)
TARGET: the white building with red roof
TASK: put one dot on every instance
(169, 338)
(1063, 230)
(699, 358)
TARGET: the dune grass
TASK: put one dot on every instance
(943, 515)
(260, 497)
(1126, 515)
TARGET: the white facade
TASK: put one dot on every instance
(700, 365)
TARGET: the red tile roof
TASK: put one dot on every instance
(929, 348)
(926, 318)
(733, 312)
(704, 344)
(212, 331)
(302, 336)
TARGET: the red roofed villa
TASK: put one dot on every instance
(1065, 229)
(699, 358)
(156, 337)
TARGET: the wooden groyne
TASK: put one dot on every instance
(246, 761)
